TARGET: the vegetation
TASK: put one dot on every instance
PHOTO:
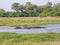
(7, 38)
(28, 21)
(32, 10)
(30, 15)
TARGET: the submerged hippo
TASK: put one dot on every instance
(18, 28)
(28, 27)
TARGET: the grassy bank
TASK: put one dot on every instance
(28, 21)
(29, 39)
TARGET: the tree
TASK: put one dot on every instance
(31, 9)
(2, 13)
(22, 8)
(34, 9)
(49, 4)
(28, 8)
(15, 6)
(56, 8)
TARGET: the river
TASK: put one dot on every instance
(48, 28)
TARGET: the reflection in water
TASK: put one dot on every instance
(48, 28)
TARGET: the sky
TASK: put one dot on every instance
(6, 4)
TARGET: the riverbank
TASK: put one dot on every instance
(28, 21)
(29, 39)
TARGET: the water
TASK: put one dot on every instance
(48, 28)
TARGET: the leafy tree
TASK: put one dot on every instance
(15, 6)
(22, 8)
(49, 4)
(28, 8)
(56, 7)
(32, 10)
(2, 13)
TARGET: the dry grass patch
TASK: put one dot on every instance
(27, 21)
(9, 42)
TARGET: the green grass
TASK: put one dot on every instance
(11, 38)
(31, 37)
(28, 21)
(7, 38)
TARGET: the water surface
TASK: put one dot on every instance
(48, 28)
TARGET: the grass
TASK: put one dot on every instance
(31, 43)
(28, 21)
(7, 38)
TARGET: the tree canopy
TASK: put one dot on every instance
(32, 10)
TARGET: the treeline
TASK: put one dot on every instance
(32, 10)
